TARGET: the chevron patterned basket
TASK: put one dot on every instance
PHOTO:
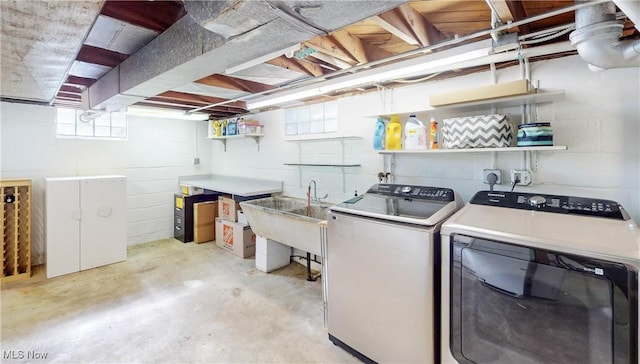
(482, 131)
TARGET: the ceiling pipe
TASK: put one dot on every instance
(597, 38)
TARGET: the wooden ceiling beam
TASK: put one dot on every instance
(72, 95)
(328, 46)
(502, 8)
(218, 111)
(326, 58)
(101, 56)
(195, 100)
(517, 11)
(352, 44)
(409, 25)
(302, 66)
(81, 81)
(234, 83)
(70, 89)
(154, 15)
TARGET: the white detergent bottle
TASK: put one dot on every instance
(415, 134)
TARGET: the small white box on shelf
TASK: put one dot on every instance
(249, 127)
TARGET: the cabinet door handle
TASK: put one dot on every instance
(104, 211)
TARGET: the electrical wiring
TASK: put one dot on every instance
(419, 79)
(549, 37)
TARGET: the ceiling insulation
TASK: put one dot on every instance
(39, 42)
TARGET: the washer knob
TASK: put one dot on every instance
(405, 189)
(537, 201)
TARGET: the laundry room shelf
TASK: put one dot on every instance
(540, 97)
(321, 165)
(477, 150)
(338, 153)
(223, 139)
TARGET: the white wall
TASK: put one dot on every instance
(156, 152)
(598, 119)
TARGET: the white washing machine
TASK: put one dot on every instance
(381, 274)
(539, 279)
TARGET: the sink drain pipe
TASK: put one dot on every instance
(310, 276)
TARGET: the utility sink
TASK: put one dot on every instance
(284, 219)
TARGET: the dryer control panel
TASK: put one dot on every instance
(551, 203)
(417, 192)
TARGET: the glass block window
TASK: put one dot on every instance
(108, 125)
(312, 119)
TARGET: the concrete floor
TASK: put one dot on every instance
(168, 303)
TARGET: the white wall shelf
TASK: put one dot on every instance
(223, 139)
(502, 102)
(519, 100)
(477, 150)
(321, 165)
(342, 164)
(327, 139)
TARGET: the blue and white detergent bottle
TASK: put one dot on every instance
(379, 134)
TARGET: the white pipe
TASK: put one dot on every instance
(597, 39)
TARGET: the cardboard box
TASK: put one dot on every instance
(228, 208)
(513, 88)
(204, 221)
(236, 238)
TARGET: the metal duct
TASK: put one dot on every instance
(217, 35)
(597, 38)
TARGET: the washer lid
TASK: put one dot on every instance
(403, 203)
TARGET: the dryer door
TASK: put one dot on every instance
(515, 304)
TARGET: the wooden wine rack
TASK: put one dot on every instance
(15, 210)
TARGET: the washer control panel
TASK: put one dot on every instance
(551, 203)
(417, 192)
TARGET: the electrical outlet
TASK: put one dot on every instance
(522, 176)
(196, 160)
(487, 172)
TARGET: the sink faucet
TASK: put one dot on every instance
(315, 192)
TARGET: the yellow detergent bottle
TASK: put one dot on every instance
(393, 138)
(217, 127)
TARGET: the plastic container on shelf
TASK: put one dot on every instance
(433, 134)
(379, 134)
(232, 127)
(249, 126)
(217, 126)
(224, 127)
(415, 134)
(393, 135)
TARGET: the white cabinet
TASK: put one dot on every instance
(85, 219)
